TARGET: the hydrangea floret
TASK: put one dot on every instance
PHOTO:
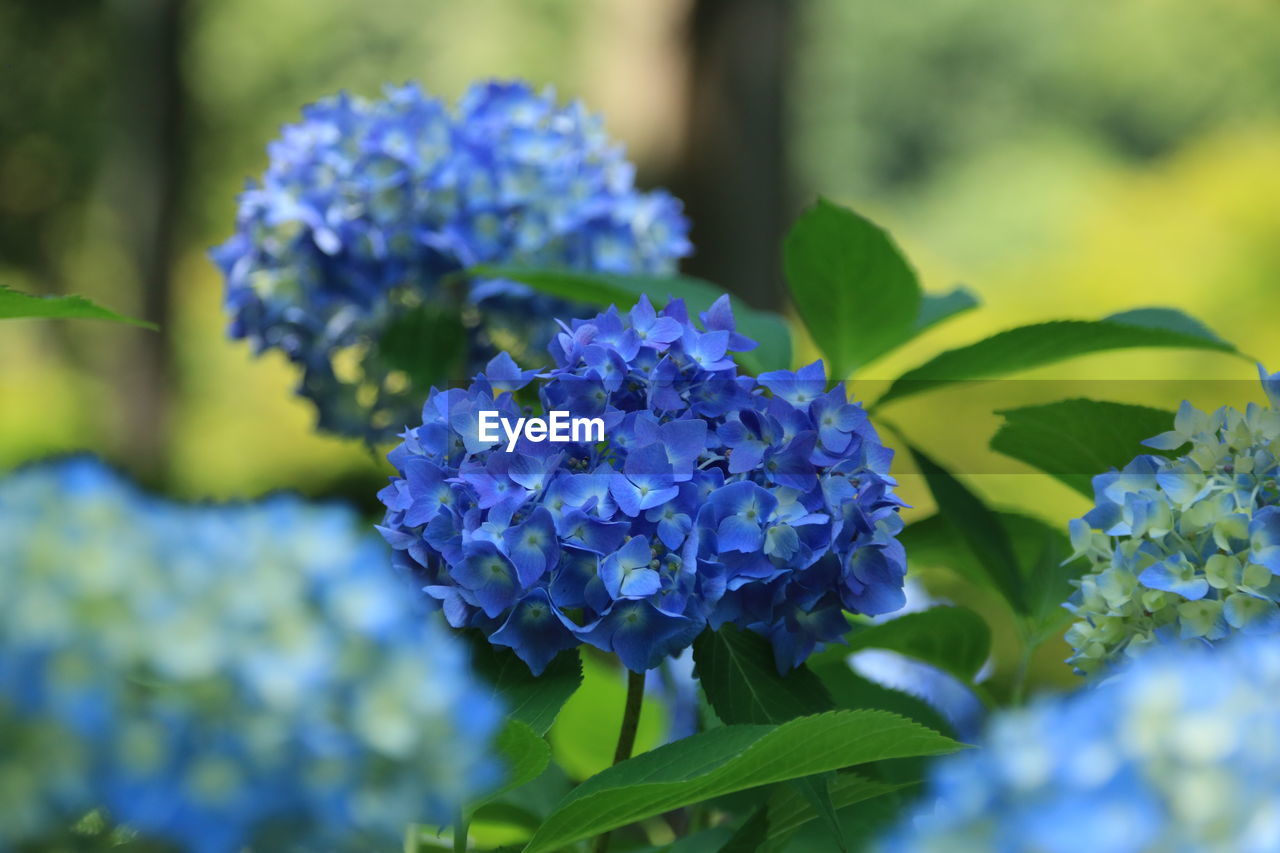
(715, 498)
(220, 677)
(1185, 548)
(350, 240)
(1178, 753)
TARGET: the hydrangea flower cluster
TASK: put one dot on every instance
(1185, 548)
(220, 677)
(713, 498)
(368, 206)
(1179, 753)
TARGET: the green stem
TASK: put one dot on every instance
(460, 829)
(630, 717)
(626, 736)
(1020, 676)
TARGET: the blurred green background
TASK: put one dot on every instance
(1059, 159)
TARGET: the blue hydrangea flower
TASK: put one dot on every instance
(712, 498)
(1183, 549)
(1180, 753)
(344, 250)
(220, 677)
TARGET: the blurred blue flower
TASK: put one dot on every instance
(1183, 549)
(712, 499)
(219, 677)
(1179, 753)
(343, 251)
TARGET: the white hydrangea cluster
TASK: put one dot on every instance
(1183, 549)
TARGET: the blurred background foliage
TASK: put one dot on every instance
(1059, 159)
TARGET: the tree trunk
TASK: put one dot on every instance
(144, 187)
(734, 175)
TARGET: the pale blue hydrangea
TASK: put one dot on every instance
(215, 677)
(1183, 549)
(1180, 753)
(344, 252)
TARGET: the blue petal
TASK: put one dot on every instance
(535, 631)
(489, 576)
(873, 584)
(505, 375)
(617, 567)
(626, 494)
(639, 583)
(571, 577)
(590, 533)
(736, 533)
(532, 546)
(1264, 538)
(781, 541)
(1251, 615)
(1175, 575)
(640, 635)
(456, 611)
(1271, 385)
(672, 531)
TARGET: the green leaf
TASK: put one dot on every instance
(15, 304)
(815, 791)
(696, 842)
(788, 811)
(952, 639)
(1048, 583)
(1074, 440)
(1039, 547)
(728, 759)
(863, 824)
(854, 290)
(534, 701)
(766, 328)
(851, 690)
(980, 529)
(1045, 343)
(1168, 320)
(936, 308)
(741, 680)
(427, 342)
(523, 808)
(751, 835)
(504, 813)
(524, 756)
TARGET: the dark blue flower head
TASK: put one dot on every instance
(220, 677)
(704, 497)
(1177, 753)
(343, 252)
(1184, 549)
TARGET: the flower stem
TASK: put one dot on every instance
(630, 717)
(460, 830)
(626, 735)
(1018, 695)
